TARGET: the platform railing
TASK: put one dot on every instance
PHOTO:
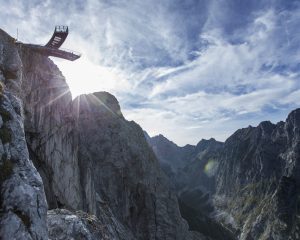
(70, 51)
(61, 28)
(52, 48)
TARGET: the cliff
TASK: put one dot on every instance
(257, 180)
(82, 158)
(23, 206)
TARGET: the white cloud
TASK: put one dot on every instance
(225, 83)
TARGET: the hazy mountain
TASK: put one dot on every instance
(191, 171)
(250, 182)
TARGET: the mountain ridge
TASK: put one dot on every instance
(255, 170)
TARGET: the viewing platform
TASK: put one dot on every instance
(52, 47)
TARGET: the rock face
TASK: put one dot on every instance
(118, 168)
(258, 177)
(51, 129)
(88, 156)
(23, 206)
(64, 224)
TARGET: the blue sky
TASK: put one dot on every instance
(187, 69)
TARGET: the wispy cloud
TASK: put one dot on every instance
(188, 69)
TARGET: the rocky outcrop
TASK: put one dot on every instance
(64, 224)
(23, 206)
(50, 127)
(119, 169)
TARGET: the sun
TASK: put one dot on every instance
(84, 76)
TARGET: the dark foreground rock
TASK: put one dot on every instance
(118, 167)
(64, 224)
(23, 206)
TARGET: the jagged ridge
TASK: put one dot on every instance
(253, 185)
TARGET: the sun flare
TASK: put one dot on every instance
(83, 76)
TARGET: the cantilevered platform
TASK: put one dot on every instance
(54, 52)
(52, 47)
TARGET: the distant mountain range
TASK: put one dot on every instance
(249, 182)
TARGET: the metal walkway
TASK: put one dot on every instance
(52, 47)
(59, 36)
(54, 52)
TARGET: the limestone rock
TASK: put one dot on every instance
(23, 206)
(118, 165)
(64, 224)
(51, 129)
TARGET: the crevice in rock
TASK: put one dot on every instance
(24, 218)
(45, 174)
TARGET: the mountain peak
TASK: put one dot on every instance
(294, 116)
(98, 102)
